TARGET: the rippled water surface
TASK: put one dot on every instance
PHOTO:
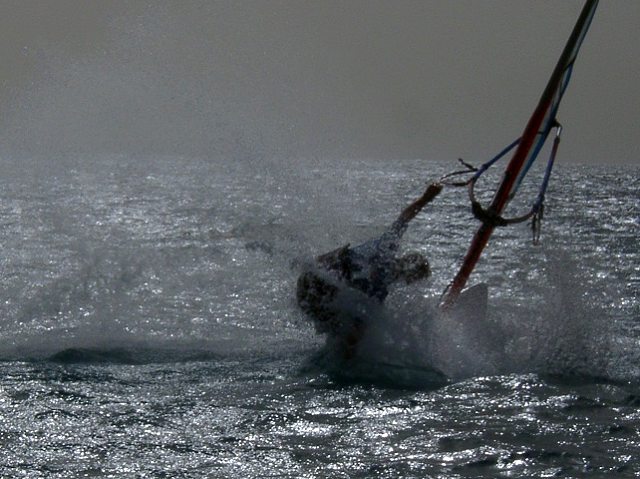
(148, 327)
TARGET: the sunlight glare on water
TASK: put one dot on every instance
(150, 329)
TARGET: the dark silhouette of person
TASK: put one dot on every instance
(370, 269)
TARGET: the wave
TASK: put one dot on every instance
(130, 356)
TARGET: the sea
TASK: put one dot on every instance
(149, 328)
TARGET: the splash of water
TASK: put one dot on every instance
(560, 330)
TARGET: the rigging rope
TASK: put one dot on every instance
(489, 217)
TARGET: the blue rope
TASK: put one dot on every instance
(484, 167)
(547, 171)
(538, 206)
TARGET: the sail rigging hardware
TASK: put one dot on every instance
(489, 217)
(448, 180)
(536, 224)
(477, 171)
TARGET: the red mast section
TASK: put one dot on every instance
(540, 123)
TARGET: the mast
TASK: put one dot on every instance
(534, 135)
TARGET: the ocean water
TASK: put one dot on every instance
(148, 326)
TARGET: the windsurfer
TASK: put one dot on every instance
(366, 270)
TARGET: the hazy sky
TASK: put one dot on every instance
(321, 78)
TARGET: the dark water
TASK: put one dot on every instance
(148, 327)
